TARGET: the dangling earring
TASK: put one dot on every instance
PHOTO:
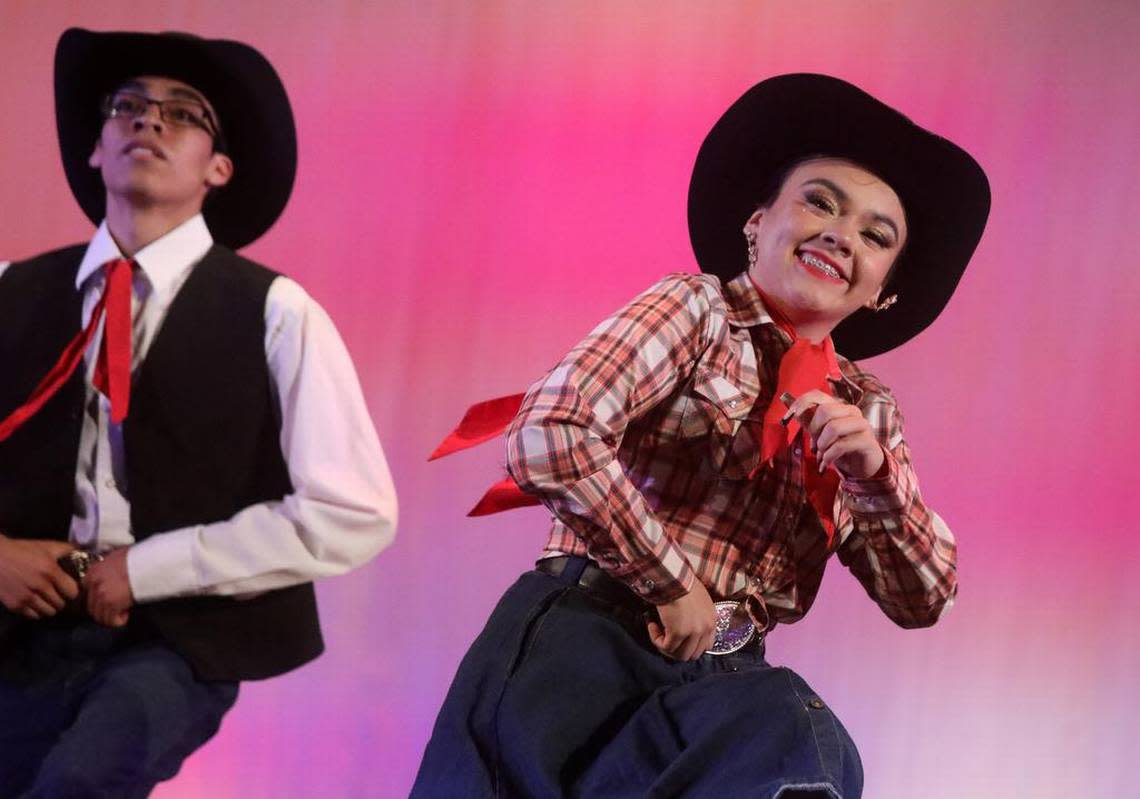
(885, 303)
(751, 236)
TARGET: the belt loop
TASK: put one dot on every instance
(575, 565)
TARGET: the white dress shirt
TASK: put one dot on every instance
(343, 507)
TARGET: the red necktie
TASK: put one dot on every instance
(112, 368)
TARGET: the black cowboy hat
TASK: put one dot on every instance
(244, 89)
(784, 119)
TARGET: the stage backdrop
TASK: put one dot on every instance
(481, 182)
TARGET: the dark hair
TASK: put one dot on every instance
(775, 182)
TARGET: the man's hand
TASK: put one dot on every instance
(688, 625)
(31, 580)
(840, 435)
(109, 589)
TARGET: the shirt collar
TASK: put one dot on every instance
(163, 261)
(746, 309)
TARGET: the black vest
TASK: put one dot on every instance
(201, 439)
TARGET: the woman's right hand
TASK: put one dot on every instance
(688, 625)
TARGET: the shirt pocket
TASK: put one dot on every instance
(714, 406)
(714, 423)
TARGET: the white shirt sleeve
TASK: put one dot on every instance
(343, 507)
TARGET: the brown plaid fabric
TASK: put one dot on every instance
(640, 442)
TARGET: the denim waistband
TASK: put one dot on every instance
(619, 601)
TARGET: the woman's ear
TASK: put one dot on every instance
(753, 222)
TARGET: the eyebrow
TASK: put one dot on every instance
(175, 91)
(189, 94)
(843, 197)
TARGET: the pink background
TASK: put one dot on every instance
(481, 182)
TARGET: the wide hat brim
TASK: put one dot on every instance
(944, 192)
(242, 86)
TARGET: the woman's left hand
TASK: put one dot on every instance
(840, 435)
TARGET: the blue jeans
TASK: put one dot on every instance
(87, 711)
(563, 695)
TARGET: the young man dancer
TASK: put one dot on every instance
(183, 441)
(704, 451)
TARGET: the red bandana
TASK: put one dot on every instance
(482, 422)
(805, 366)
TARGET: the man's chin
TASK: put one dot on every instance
(144, 192)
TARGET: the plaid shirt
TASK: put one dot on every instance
(641, 440)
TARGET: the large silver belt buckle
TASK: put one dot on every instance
(734, 628)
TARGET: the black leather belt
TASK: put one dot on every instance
(597, 583)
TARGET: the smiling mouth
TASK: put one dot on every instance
(821, 267)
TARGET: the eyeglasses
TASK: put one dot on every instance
(178, 113)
